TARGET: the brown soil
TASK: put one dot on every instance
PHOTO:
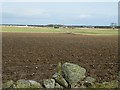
(35, 56)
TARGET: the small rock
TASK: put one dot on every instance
(34, 84)
(89, 82)
(27, 84)
(73, 73)
(22, 84)
(88, 85)
(49, 83)
(59, 79)
(58, 76)
(8, 84)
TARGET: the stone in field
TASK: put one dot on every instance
(8, 84)
(89, 82)
(49, 83)
(59, 79)
(27, 84)
(58, 76)
(73, 73)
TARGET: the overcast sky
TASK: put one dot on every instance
(75, 13)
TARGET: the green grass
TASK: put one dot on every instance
(27, 29)
(96, 31)
(60, 30)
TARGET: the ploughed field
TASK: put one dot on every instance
(35, 55)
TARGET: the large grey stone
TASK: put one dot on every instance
(73, 73)
(27, 84)
(49, 83)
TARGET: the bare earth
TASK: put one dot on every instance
(35, 56)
